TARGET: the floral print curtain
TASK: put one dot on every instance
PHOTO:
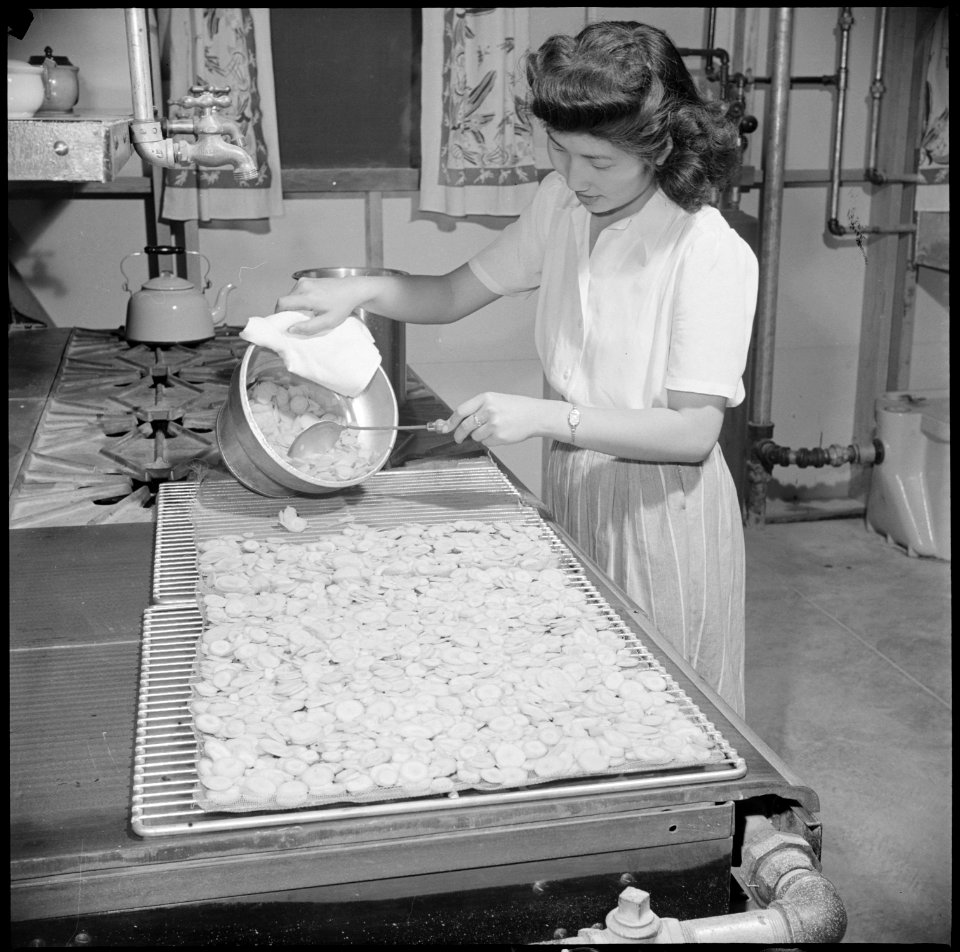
(476, 134)
(223, 46)
(935, 147)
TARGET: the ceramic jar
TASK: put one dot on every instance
(24, 89)
(61, 82)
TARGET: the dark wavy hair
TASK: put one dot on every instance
(626, 83)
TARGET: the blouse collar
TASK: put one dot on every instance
(650, 222)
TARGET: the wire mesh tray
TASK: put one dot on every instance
(166, 750)
(468, 490)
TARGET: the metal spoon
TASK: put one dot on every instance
(322, 436)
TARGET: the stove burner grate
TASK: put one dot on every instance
(120, 421)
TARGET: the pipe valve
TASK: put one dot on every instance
(782, 872)
(633, 918)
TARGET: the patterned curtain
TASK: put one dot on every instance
(476, 134)
(223, 46)
(935, 147)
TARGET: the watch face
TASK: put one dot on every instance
(574, 417)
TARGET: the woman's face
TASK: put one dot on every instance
(606, 180)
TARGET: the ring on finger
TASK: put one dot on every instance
(477, 422)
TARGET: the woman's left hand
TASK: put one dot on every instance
(495, 419)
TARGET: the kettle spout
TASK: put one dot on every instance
(219, 312)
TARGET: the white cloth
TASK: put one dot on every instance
(476, 143)
(343, 359)
(666, 299)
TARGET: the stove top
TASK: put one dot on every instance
(120, 420)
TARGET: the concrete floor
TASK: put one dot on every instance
(848, 679)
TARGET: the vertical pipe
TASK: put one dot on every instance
(711, 35)
(845, 22)
(771, 214)
(876, 94)
(139, 54)
(760, 426)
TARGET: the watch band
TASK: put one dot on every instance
(573, 421)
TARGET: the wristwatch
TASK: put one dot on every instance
(573, 421)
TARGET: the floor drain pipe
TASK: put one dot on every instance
(760, 426)
(783, 875)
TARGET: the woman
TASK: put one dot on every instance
(646, 301)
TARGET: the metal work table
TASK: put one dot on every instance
(504, 873)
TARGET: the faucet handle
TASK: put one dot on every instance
(205, 98)
(207, 88)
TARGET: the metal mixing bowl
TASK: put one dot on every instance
(262, 469)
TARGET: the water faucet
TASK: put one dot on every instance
(213, 152)
(210, 148)
(209, 127)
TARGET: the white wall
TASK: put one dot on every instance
(69, 251)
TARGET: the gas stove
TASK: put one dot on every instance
(122, 419)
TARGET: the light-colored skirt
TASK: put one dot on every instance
(671, 537)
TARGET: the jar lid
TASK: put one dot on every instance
(48, 54)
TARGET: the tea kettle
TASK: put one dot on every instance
(169, 309)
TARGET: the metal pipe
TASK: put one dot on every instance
(873, 175)
(823, 80)
(877, 89)
(771, 454)
(800, 905)
(711, 34)
(845, 21)
(146, 134)
(139, 57)
(771, 215)
(771, 210)
(146, 131)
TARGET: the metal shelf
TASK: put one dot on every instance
(68, 148)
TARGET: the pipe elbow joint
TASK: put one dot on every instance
(875, 177)
(835, 228)
(770, 454)
(812, 907)
(786, 875)
(150, 145)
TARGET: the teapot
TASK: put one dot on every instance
(61, 83)
(169, 309)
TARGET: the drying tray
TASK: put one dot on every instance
(165, 747)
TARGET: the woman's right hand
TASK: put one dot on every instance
(330, 300)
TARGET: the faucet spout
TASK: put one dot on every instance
(213, 151)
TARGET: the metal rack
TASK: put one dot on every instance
(166, 750)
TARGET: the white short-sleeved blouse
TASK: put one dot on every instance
(664, 302)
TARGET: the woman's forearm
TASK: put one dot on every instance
(684, 432)
(658, 435)
(415, 299)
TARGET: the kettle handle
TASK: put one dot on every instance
(164, 250)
